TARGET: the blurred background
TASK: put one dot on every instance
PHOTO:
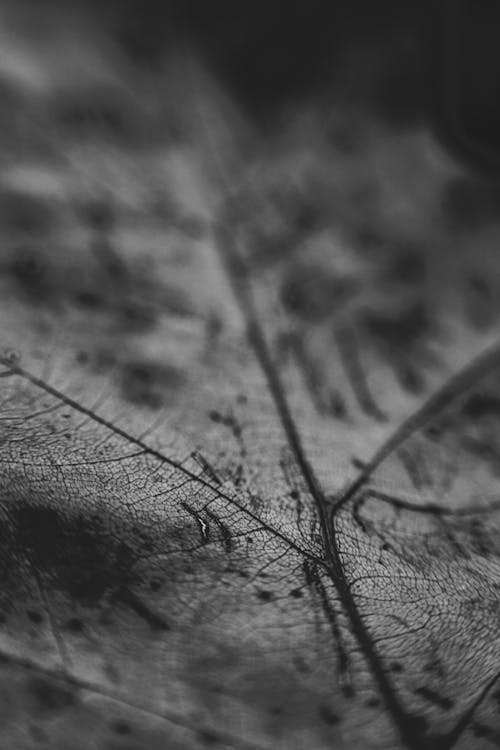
(403, 61)
(380, 119)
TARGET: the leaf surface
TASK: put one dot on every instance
(249, 438)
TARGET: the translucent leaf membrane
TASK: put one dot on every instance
(248, 409)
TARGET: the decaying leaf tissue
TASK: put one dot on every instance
(249, 375)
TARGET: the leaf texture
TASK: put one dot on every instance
(249, 445)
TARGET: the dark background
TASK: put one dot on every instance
(406, 61)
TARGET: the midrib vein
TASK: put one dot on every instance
(239, 278)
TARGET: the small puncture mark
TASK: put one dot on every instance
(204, 527)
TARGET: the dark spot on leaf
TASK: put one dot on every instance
(348, 691)
(300, 665)
(481, 405)
(121, 727)
(34, 616)
(51, 696)
(75, 625)
(337, 406)
(79, 554)
(208, 737)
(28, 269)
(147, 384)
(410, 378)
(296, 593)
(402, 330)
(83, 555)
(433, 432)
(266, 596)
(327, 715)
(98, 214)
(88, 298)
